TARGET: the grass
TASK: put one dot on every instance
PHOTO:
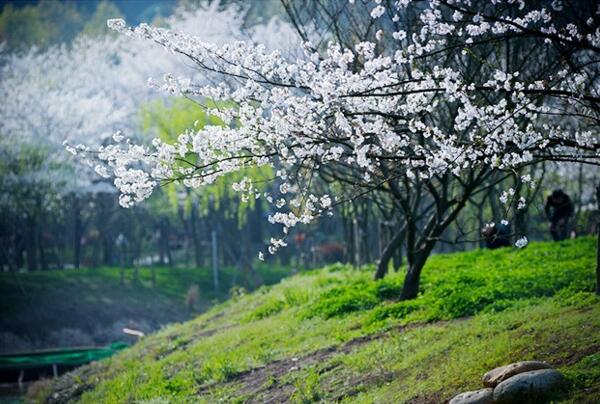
(337, 335)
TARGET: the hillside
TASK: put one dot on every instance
(52, 309)
(337, 335)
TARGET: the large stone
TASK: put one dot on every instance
(483, 396)
(535, 386)
(496, 376)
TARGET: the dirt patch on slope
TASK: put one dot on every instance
(266, 384)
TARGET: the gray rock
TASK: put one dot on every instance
(483, 396)
(496, 376)
(534, 386)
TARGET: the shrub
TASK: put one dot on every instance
(342, 300)
(269, 308)
(388, 289)
(295, 296)
(396, 310)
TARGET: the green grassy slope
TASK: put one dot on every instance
(337, 335)
(35, 305)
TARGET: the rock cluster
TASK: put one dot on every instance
(517, 383)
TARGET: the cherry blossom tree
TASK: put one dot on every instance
(429, 104)
(82, 93)
(45, 104)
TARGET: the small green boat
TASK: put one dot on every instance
(28, 366)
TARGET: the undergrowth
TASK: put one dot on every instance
(286, 342)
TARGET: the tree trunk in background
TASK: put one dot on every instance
(521, 222)
(398, 254)
(364, 239)
(77, 230)
(598, 243)
(160, 244)
(194, 234)
(214, 258)
(18, 250)
(122, 266)
(43, 259)
(521, 217)
(165, 240)
(579, 199)
(394, 244)
(107, 249)
(480, 223)
(494, 201)
(40, 235)
(348, 250)
(598, 260)
(252, 278)
(185, 224)
(257, 225)
(356, 242)
(30, 245)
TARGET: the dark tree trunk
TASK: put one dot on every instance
(598, 259)
(40, 236)
(43, 258)
(165, 240)
(18, 250)
(107, 250)
(122, 266)
(77, 230)
(521, 216)
(480, 223)
(160, 244)
(96, 249)
(195, 236)
(366, 253)
(398, 255)
(598, 243)
(349, 249)
(394, 244)
(30, 244)
(185, 224)
(493, 198)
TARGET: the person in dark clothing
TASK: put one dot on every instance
(559, 210)
(496, 235)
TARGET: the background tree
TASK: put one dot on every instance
(435, 117)
(55, 212)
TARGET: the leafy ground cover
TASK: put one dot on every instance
(337, 335)
(51, 309)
